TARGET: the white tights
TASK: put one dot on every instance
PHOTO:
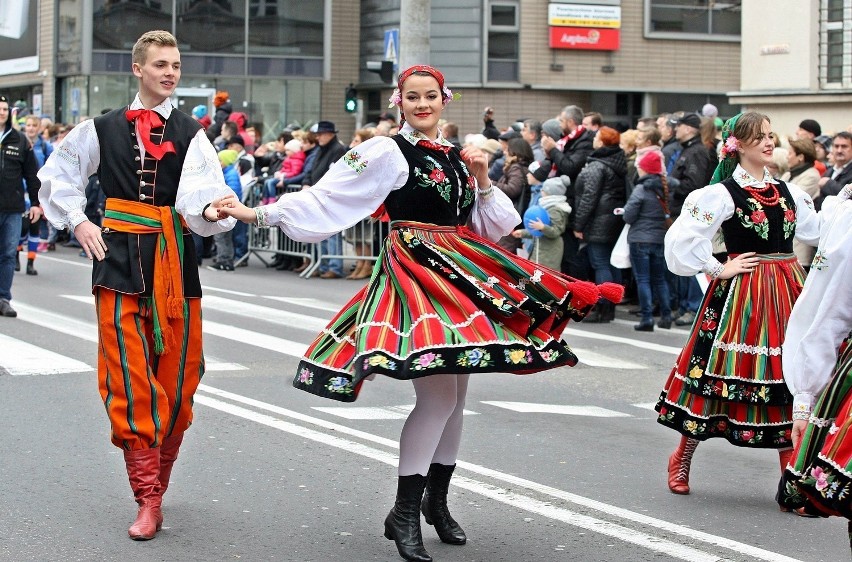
(432, 432)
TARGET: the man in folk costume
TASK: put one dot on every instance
(161, 176)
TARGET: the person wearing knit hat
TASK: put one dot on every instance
(650, 163)
(227, 157)
(709, 111)
(808, 129)
(548, 244)
(221, 98)
(552, 128)
(755, 287)
(647, 213)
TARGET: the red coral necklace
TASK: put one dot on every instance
(769, 200)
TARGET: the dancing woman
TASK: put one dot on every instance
(818, 370)
(727, 381)
(443, 301)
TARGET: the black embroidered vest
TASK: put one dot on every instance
(755, 227)
(432, 193)
(129, 263)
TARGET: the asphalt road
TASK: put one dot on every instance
(565, 465)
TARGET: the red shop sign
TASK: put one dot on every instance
(589, 38)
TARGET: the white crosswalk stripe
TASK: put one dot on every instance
(83, 326)
(88, 331)
(585, 411)
(22, 358)
(375, 413)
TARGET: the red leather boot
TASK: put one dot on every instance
(679, 463)
(143, 470)
(168, 454)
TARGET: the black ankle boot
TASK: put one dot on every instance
(434, 505)
(402, 524)
(31, 270)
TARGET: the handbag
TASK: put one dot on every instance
(620, 256)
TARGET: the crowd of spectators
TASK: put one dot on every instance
(585, 174)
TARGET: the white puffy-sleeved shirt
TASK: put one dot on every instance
(822, 315)
(66, 173)
(689, 241)
(358, 183)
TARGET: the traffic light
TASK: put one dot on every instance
(383, 68)
(351, 99)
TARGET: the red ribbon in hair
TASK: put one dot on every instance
(147, 119)
(431, 70)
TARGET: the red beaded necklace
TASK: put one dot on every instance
(766, 200)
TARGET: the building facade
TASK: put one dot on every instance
(278, 59)
(285, 61)
(499, 53)
(797, 63)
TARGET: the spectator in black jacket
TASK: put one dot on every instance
(693, 170)
(666, 123)
(694, 167)
(578, 144)
(17, 163)
(599, 190)
(489, 130)
(330, 150)
(837, 176)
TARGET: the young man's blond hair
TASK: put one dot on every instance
(158, 37)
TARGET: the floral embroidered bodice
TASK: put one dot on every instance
(440, 189)
(756, 226)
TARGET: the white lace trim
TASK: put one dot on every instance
(836, 466)
(746, 348)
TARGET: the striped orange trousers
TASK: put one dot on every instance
(147, 396)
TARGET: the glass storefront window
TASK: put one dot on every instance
(211, 26)
(119, 23)
(110, 92)
(286, 27)
(69, 37)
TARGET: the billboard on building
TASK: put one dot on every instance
(18, 36)
(585, 24)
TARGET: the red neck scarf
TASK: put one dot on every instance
(147, 119)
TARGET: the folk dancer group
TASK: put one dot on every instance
(443, 300)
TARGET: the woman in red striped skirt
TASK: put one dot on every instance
(818, 371)
(727, 381)
(443, 301)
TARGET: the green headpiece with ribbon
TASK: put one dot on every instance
(728, 159)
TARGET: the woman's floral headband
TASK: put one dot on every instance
(447, 96)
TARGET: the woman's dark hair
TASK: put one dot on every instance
(521, 149)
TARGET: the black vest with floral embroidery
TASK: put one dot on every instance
(431, 193)
(759, 228)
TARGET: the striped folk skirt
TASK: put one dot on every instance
(820, 472)
(443, 300)
(727, 381)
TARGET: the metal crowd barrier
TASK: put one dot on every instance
(360, 242)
